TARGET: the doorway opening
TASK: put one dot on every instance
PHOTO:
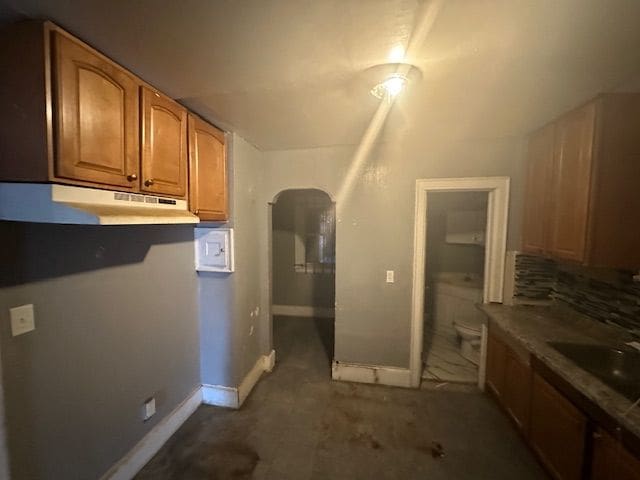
(496, 190)
(303, 279)
(454, 277)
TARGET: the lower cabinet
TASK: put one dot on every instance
(558, 431)
(517, 390)
(496, 359)
(561, 434)
(611, 461)
(509, 379)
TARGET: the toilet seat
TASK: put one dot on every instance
(471, 327)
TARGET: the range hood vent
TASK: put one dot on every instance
(52, 203)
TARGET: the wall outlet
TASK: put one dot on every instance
(22, 319)
(149, 409)
(390, 276)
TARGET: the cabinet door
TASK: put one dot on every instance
(208, 196)
(572, 183)
(96, 104)
(496, 357)
(557, 431)
(164, 145)
(611, 461)
(537, 204)
(517, 390)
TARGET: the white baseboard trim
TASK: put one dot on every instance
(234, 397)
(145, 449)
(303, 311)
(392, 376)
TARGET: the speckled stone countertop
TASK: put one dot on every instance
(534, 326)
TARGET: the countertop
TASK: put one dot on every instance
(534, 326)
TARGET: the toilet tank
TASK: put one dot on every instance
(455, 297)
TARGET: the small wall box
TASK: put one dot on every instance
(214, 249)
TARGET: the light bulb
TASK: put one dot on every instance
(394, 85)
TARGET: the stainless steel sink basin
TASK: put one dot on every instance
(619, 369)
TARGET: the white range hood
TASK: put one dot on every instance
(52, 203)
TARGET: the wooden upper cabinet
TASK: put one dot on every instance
(582, 185)
(164, 145)
(537, 206)
(97, 117)
(208, 196)
(572, 183)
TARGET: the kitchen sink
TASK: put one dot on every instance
(619, 369)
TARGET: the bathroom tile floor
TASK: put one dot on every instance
(443, 362)
(299, 424)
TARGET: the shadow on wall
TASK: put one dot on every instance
(33, 251)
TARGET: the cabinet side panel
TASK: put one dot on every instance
(23, 103)
(615, 224)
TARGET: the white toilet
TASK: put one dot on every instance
(470, 332)
(456, 296)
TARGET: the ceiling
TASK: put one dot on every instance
(293, 73)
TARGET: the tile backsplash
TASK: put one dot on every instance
(608, 296)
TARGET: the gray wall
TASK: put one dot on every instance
(116, 322)
(374, 230)
(232, 337)
(291, 287)
(445, 257)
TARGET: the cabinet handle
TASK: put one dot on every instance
(132, 177)
(149, 182)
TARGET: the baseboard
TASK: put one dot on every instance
(234, 397)
(391, 376)
(303, 311)
(146, 448)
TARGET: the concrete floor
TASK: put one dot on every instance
(298, 424)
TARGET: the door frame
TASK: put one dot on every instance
(495, 249)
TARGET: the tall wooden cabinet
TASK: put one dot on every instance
(582, 178)
(208, 171)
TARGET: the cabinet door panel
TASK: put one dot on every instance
(97, 109)
(611, 461)
(517, 390)
(164, 145)
(496, 357)
(537, 207)
(208, 177)
(557, 431)
(572, 183)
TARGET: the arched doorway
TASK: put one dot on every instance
(303, 279)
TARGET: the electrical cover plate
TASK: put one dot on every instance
(214, 249)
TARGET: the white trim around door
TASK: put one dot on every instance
(496, 244)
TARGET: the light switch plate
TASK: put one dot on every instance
(22, 319)
(149, 409)
(390, 276)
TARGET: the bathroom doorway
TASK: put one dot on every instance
(497, 189)
(454, 277)
(303, 279)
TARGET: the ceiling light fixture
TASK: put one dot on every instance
(391, 78)
(389, 87)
